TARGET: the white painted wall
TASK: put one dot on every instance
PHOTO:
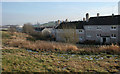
(104, 31)
(60, 34)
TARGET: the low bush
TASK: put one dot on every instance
(112, 49)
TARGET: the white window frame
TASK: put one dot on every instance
(113, 35)
(89, 27)
(98, 27)
(113, 27)
(89, 36)
(80, 31)
(81, 38)
(98, 35)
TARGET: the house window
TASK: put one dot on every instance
(80, 31)
(98, 35)
(99, 28)
(113, 27)
(113, 36)
(81, 38)
(89, 36)
(89, 27)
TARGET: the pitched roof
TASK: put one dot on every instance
(71, 25)
(105, 20)
(101, 20)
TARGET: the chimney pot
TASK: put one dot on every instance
(58, 21)
(87, 17)
(98, 14)
(112, 14)
(83, 19)
(66, 20)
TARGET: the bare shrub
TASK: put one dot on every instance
(28, 28)
(40, 45)
(12, 29)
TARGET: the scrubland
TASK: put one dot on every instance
(22, 52)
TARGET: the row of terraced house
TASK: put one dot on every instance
(100, 29)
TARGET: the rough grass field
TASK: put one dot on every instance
(22, 52)
(20, 60)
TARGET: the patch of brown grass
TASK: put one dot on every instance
(110, 49)
(41, 45)
(20, 40)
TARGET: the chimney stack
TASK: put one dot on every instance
(58, 22)
(112, 15)
(83, 19)
(87, 17)
(66, 20)
(98, 14)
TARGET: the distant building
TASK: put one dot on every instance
(40, 27)
(19, 28)
(49, 31)
(119, 8)
(7, 27)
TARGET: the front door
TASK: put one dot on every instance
(104, 40)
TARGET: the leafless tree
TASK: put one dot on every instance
(28, 28)
(12, 29)
(69, 33)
